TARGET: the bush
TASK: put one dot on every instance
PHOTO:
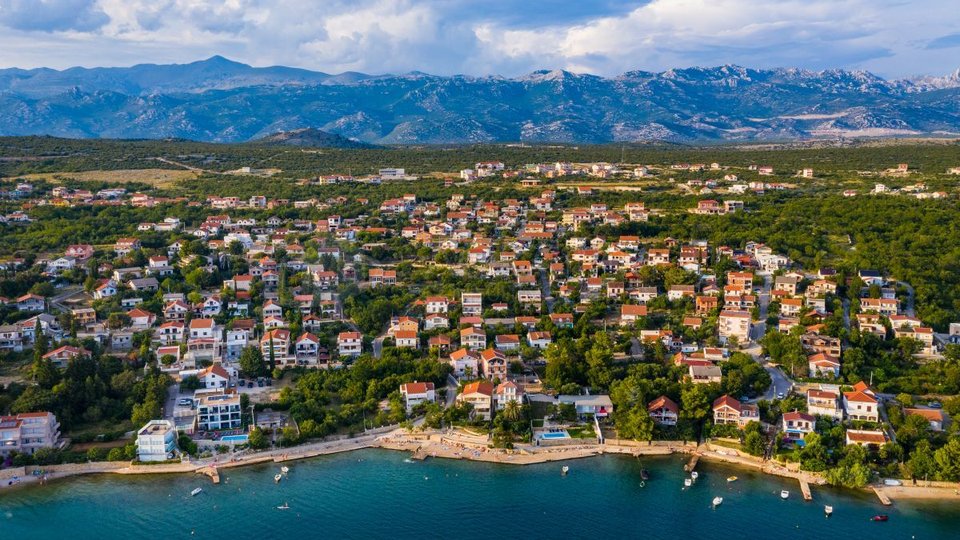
(46, 456)
(22, 460)
(258, 439)
(187, 445)
(116, 454)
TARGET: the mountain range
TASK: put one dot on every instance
(224, 101)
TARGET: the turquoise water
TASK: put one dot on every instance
(234, 438)
(380, 494)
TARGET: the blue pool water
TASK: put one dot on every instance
(555, 435)
(234, 438)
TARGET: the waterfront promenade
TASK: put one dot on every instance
(459, 445)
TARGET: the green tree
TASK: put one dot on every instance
(636, 424)
(257, 439)
(947, 460)
(921, 464)
(753, 443)
(695, 404)
(251, 362)
(599, 361)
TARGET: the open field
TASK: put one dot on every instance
(161, 178)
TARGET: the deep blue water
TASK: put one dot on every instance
(380, 494)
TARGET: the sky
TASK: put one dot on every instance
(892, 38)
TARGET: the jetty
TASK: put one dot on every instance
(211, 472)
(882, 496)
(692, 464)
(805, 489)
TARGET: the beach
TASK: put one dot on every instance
(460, 445)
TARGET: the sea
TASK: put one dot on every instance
(384, 494)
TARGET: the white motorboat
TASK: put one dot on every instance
(284, 506)
(828, 510)
(717, 501)
(694, 475)
(277, 477)
(284, 469)
(196, 491)
(687, 482)
(784, 494)
(564, 469)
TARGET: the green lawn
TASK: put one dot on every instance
(582, 432)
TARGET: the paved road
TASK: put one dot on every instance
(378, 345)
(908, 307)
(173, 392)
(451, 390)
(545, 283)
(759, 328)
(57, 302)
(781, 383)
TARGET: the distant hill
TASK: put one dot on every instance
(310, 137)
(224, 101)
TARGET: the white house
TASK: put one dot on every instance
(416, 393)
(157, 441)
(350, 343)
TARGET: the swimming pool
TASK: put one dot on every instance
(236, 439)
(555, 435)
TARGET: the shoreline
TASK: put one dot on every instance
(459, 446)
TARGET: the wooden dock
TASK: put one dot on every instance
(883, 497)
(805, 489)
(692, 465)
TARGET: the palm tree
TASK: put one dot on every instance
(511, 411)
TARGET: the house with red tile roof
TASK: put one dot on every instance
(664, 411)
(415, 393)
(727, 410)
(480, 396)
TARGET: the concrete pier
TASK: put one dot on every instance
(883, 497)
(805, 489)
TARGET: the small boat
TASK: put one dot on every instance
(195, 492)
(277, 477)
(694, 475)
(731, 479)
(644, 474)
(880, 517)
(784, 494)
(564, 469)
(892, 482)
(828, 510)
(284, 506)
(687, 482)
(284, 469)
(717, 501)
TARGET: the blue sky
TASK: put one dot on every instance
(894, 38)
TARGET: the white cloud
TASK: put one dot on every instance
(479, 37)
(52, 15)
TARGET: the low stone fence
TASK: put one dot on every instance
(81, 468)
(644, 444)
(7, 474)
(569, 441)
